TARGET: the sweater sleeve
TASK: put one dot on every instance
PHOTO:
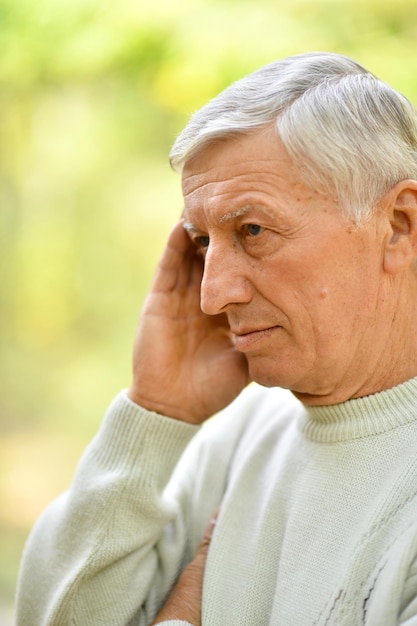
(108, 550)
(408, 615)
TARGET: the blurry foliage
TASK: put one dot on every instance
(92, 94)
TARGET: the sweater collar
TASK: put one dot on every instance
(363, 417)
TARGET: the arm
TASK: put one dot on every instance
(184, 600)
(109, 550)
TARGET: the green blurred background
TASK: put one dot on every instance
(92, 94)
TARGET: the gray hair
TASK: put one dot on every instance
(350, 134)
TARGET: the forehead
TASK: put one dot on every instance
(251, 170)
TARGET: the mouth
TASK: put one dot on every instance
(253, 338)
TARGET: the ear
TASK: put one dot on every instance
(400, 206)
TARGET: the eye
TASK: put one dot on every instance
(253, 229)
(202, 241)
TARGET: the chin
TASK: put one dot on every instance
(272, 372)
(306, 388)
(267, 375)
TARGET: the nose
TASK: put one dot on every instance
(224, 280)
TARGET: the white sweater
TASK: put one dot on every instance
(318, 522)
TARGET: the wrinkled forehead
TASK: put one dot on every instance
(233, 176)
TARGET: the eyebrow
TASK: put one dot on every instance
(238, 213)
(227, 217)
(189, 227)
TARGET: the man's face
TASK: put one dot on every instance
(300, 285)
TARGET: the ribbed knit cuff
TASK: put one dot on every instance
(130, 432)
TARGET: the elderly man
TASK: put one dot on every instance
(293, 266)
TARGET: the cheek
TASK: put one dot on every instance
(341, 313)
(291, 288)
(314, 295)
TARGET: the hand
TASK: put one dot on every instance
(185, 364)
(184, 599)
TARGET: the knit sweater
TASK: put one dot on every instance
(317, 524)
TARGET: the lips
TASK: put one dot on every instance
(250, 339)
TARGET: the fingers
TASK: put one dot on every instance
(205, 542)
(179, 265)
(184, 600)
